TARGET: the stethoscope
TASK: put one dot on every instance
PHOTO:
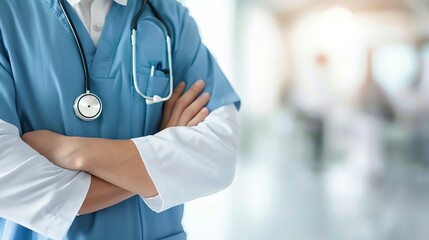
(88, 106)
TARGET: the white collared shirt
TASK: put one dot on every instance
(93, 14)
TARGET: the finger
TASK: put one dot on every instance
(200, 117)
(169, 105)
(178, 91)
(184, 101)
(193, 92)
(190, 112)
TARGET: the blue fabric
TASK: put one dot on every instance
(41, 75)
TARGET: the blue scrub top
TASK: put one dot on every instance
(41, 75)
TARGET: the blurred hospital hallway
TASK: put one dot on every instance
(334, 120)
(278, 196)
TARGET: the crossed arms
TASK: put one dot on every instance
(116, 167)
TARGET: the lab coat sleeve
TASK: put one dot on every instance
(186, 163)
(33, 192)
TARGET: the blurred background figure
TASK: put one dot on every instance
(335, 119)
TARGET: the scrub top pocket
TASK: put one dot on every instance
(151, 50)
(153, 85)
(147, 118)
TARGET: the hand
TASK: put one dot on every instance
(68, 152)
(186, 109)
(61, 150)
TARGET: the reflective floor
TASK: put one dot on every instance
(282, 191)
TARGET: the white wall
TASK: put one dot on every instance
(208, 218)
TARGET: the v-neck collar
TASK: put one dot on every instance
(100, 58)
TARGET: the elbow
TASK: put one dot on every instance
(226, 170)
(228, 164)
(228, 178)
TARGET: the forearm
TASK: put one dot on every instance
(102, 195)
(206, 153)
(34, 192)
(119, 163)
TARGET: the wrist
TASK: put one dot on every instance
(96, 153)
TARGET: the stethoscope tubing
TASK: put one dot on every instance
(79, 45)
(156, 98)
(134, 25)
(87, 94)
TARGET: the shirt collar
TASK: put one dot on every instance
(121, 2)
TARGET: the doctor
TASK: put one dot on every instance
(94, 142)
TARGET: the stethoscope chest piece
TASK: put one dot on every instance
(88, 107)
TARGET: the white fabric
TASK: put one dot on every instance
(93, 14)
(187, 163)
(34, 192)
